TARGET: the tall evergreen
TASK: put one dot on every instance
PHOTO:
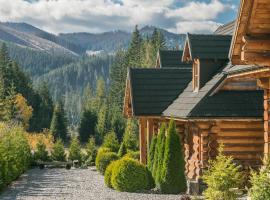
(59, 122)
(173, 180)
(87, 125)
(135, 49)
(151, 153)
(159, 158)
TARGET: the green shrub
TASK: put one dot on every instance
(75, 150)
(41, 154)
(15, 153)
(221, 177)
(159, 155)
(122, 150)
(58, 151)
(129, 175)
(173, 180)
(108, 174)
(111, 142)
(91, 152)
(260, 189)
(151, 153)
(104, 159)
(133, 154)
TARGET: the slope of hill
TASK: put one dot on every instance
(26, 35)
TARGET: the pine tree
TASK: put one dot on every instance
(59, 122)
(101, 126)
(75, 150)
(151, 153)
(131, 135)
(173, 179)
(135, 49)
(58, 151)
(87, 125)
(160, 154)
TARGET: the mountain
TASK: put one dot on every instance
(113, 40)
(26, 35)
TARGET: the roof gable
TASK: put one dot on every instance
(153, 90)
(207, 46)
(172, 59)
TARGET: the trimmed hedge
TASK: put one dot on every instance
(133, 154)
(108, 174)
(103, 159)
(128, 175)
(15, 153)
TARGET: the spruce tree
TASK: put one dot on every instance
(160, 155)
(59, 122)
(151, 153)
(87, 125)
(58, 151)
(131, 135)
(173, 180)
(75, 150)
(135, 49)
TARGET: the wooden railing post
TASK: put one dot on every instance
(143, 153)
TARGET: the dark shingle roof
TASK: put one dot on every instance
(203, 103)
(153, 90)
(172, 59)
(209, 46)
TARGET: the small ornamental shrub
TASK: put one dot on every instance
(15, 153)
(260, 189)
(91, 152)
(58, 151)
(111, 142)
(122, 150)
(159, 155)
(75, 150)
(221, 177)
(151, 153)
(133, 154)
(41, 153)
(173, 180)
(108, 174)
(104, 159)
(129, 175)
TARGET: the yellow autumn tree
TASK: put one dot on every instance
(25, 111)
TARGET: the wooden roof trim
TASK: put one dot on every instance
(128, 97)
(187, 48)
(254, 73)
(216, 119)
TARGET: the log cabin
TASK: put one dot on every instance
(208, 109)
(251, 49)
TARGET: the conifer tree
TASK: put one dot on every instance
(131, 135)
(173, 180)
(75, 150)
(160, 156)
(59, 122)
(58, 151)
(135, 49)
(101, 126)
(151, 153)
(87, 125)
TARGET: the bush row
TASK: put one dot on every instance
(15, 153)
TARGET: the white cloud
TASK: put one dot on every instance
(196, 26)
(103, 15)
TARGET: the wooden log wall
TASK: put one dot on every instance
(266, 121)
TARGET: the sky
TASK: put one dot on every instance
(64, 16)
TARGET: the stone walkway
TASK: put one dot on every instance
(74, 184)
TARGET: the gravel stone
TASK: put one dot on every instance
(74, 184)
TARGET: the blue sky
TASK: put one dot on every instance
(179, 16)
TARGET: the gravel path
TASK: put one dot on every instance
(74, 184)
